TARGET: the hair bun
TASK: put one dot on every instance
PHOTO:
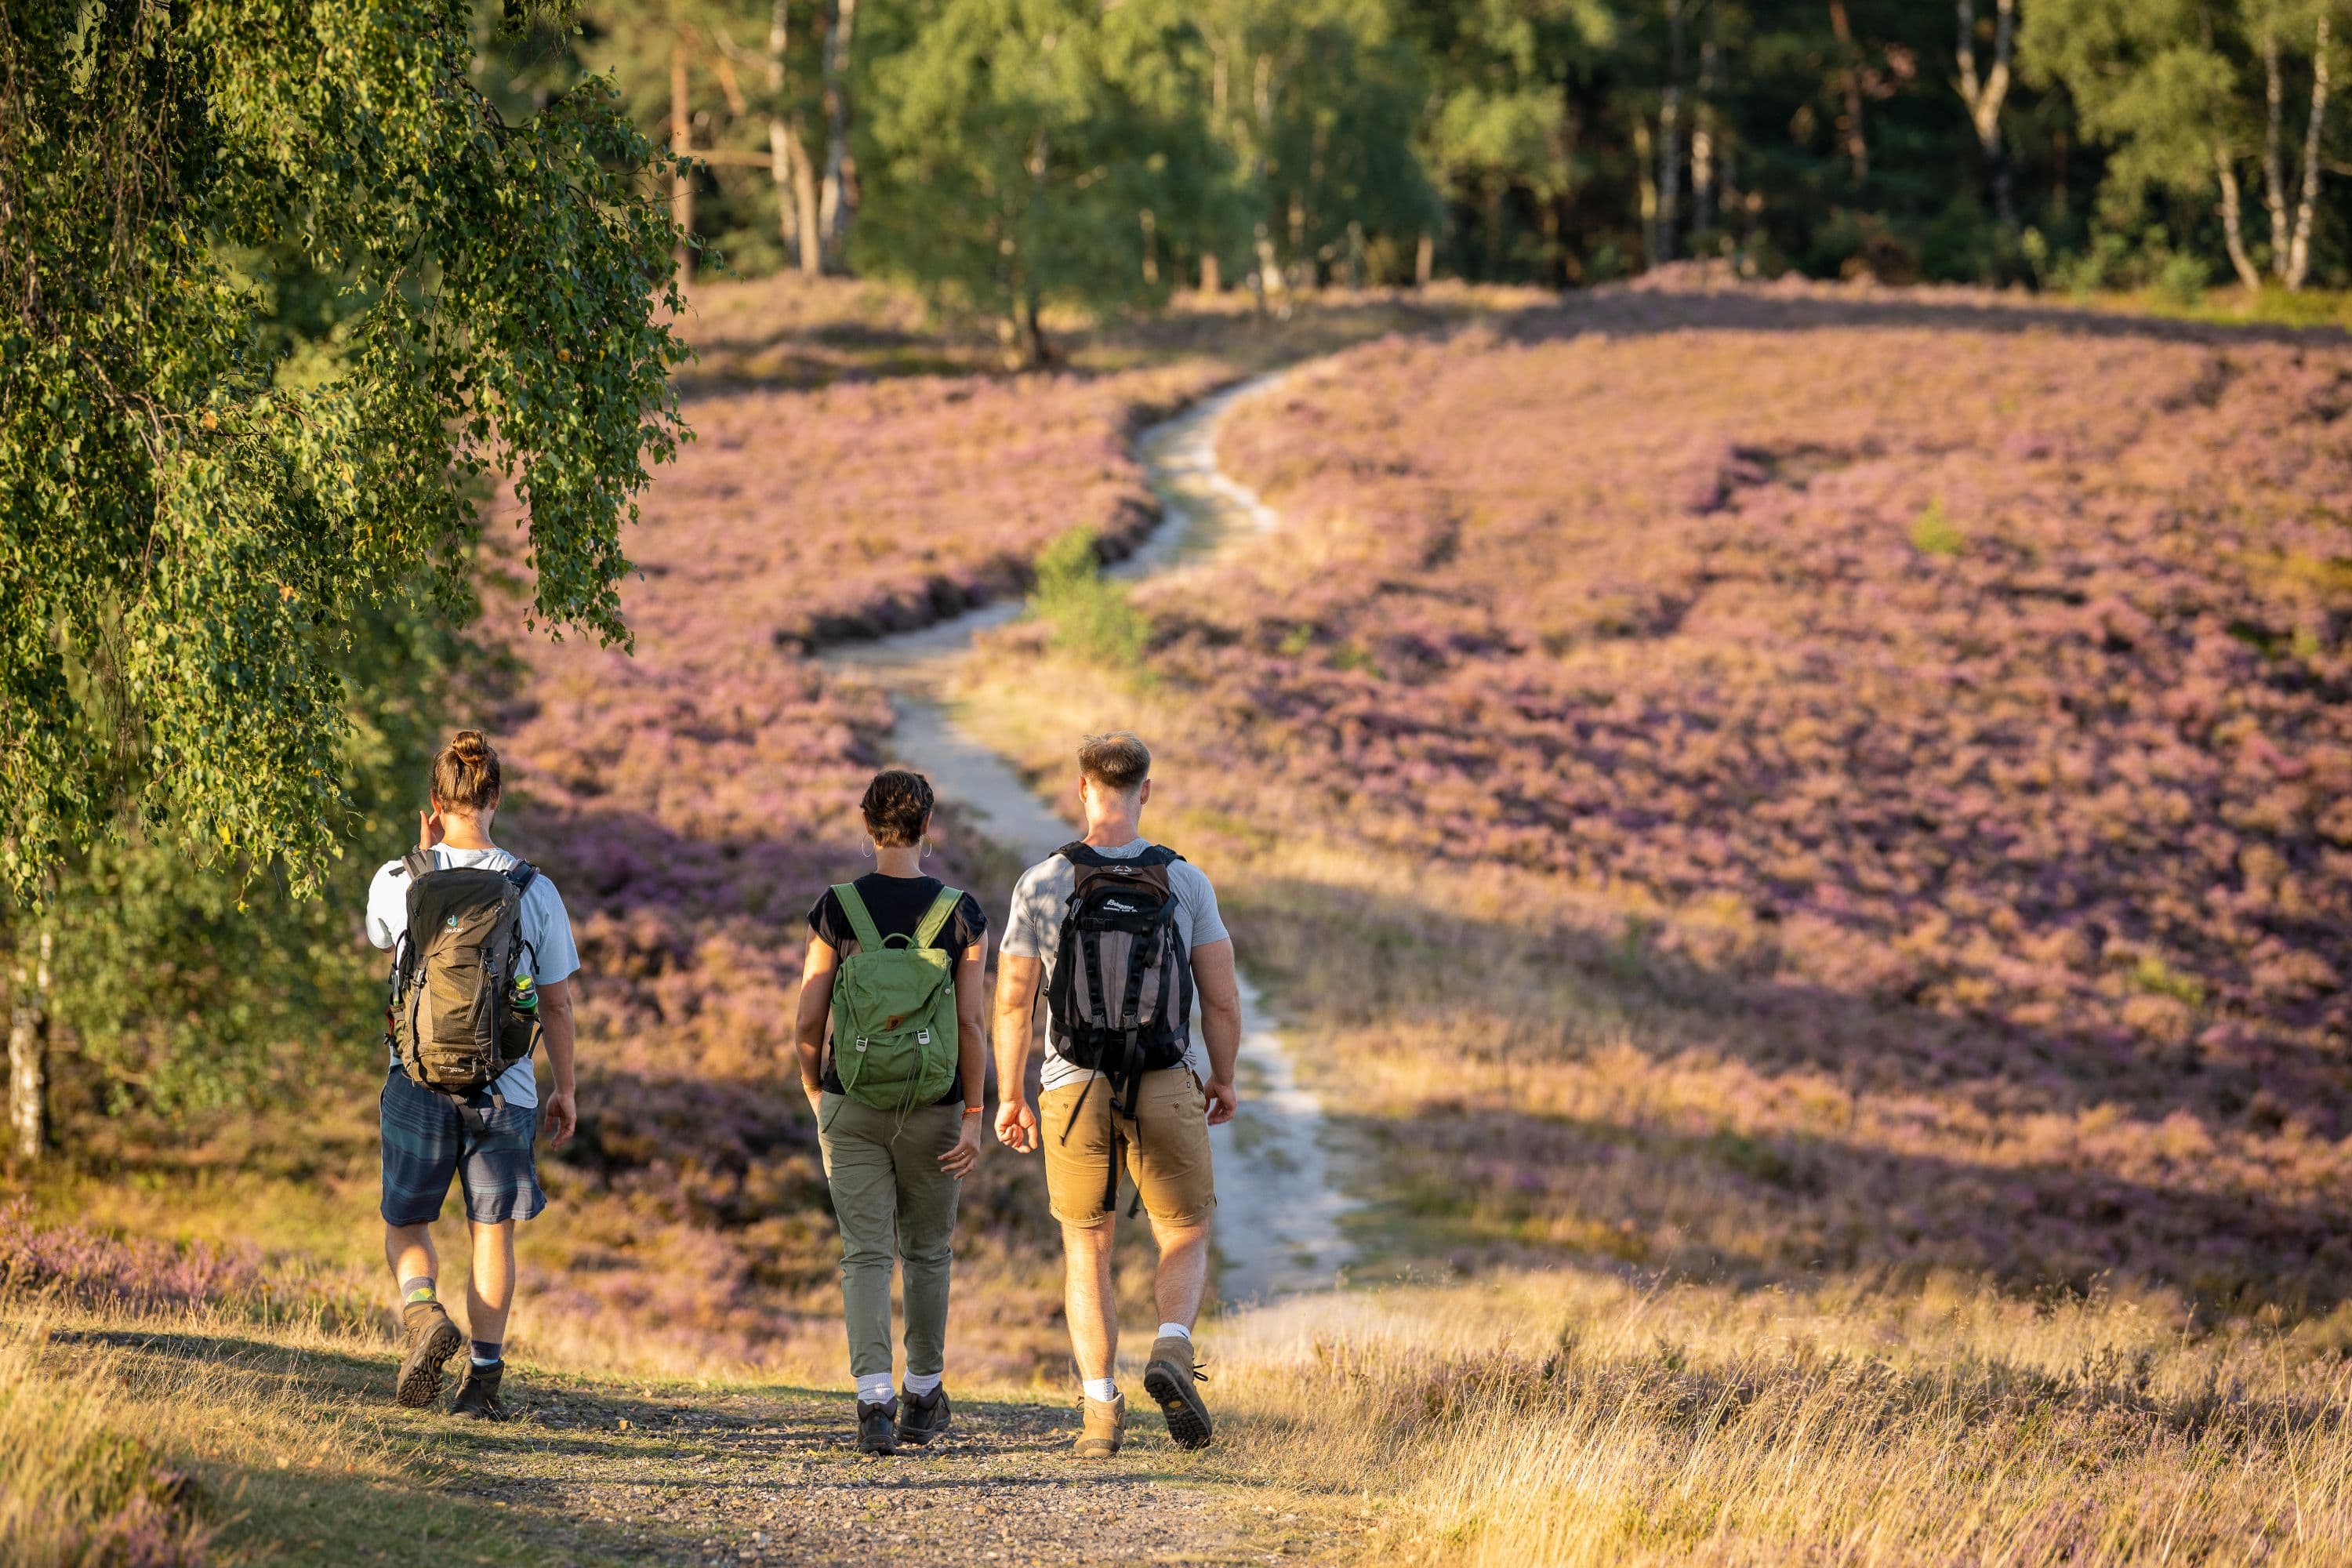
(466, 772)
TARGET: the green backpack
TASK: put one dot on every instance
(894, 1009)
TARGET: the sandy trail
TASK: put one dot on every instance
(1279, 1202)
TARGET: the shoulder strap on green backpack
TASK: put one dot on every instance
(861, 924)
(936, 918)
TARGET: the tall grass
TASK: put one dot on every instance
(1578, 1418)
(77, 1484)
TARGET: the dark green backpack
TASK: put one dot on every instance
(894, 1009)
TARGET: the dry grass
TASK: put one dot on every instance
(1570, 1419)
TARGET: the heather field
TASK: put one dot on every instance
(1761, 782)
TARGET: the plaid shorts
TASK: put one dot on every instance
(427, 1140)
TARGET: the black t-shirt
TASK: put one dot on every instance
(897, 905)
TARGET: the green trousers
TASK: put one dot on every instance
(894, 1205)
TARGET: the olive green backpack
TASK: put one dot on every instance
(894, 1009)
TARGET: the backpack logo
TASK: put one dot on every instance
(451, 923)
(1112, 906)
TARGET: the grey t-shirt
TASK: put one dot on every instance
(544, 923)
(1035, 929)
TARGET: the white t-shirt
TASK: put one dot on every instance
(543, 923)
(1041, 897)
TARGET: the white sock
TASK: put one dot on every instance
(874, 1390)
(1102, 1390)
(1178, 1329)
(922, 1382)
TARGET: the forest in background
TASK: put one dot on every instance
(1004, 154)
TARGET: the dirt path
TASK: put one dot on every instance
(1279, 1198)
(767, 1475)
(320, 1467)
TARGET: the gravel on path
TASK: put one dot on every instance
(743, 1476)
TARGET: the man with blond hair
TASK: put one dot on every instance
(1120, 934)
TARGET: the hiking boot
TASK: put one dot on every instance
(478, 1395)
(877, 1427)
(430, 1339)
(1104, 1430)
(922, 1416)
(1169, 1379)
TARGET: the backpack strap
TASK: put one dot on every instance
(935, 918)
(419, 863)
(861, 924)
(522, 874)
(1078, 852)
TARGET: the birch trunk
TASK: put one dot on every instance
(29, 1048)
(1985, 94)
(681, 145)
(2298, 265)
(2232, 221)
(837, 204)
(788, 154)
(2274, 165)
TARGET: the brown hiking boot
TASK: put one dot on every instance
(1104, 1428)
(431, 1339)
(1169, 1379)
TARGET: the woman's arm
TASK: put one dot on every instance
(562, 1113)
(817, 1004)
(972, 1055)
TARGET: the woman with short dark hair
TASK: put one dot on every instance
(895, 1166)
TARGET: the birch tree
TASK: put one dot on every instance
(2190, 93)
(1985, 90)
(186, 537)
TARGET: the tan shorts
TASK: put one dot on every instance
(1166, 1146)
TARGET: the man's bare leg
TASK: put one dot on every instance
(1088, 1299)
(489, 1292)
(431, 1339)
(1182, 1280)
(1183, 1277)
(409, 1249)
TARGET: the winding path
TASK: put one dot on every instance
(1279, 1205)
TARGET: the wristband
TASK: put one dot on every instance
(975, 1109)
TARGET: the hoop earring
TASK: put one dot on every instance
(926, 848)
(867, 849)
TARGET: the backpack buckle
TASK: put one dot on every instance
(922, 1037)
(861, 1042)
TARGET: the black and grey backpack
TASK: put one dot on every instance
(1122, 1001)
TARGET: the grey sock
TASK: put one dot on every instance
(420, 1289)
(486, 1353)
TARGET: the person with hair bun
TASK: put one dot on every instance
(482, 1139)
(896, 1168)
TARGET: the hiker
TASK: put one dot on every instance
(895, 962)
(1119, 933)
(481, 970)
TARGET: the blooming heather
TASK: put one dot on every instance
(1988, 669)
